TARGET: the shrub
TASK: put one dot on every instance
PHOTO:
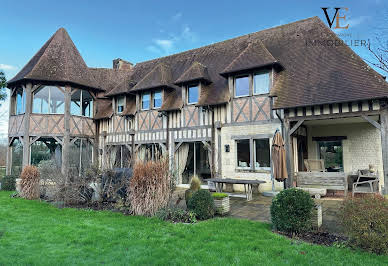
(195, 185)
(202, 204)
(30, 182)
(219, 195)
(150, 187)
(114, 184)
(365, 221)
(8, 182)
(176, 215)
(291, 211)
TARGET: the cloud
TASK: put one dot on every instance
(165, 45)
(7, 67)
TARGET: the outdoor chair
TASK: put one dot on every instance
(314, 165)
(367, 182)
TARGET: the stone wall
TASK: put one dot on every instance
(361, 148)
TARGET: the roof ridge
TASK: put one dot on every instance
(234, 38)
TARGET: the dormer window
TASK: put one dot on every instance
(145, 101)
(261, 83)
(157, 99)
(120, 104)
(241, 86)
(192, 94)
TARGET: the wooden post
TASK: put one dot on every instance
(96, 142)
(213, 147)
(26, 134)
(66, 135)
(133, 149)
(384, 144)
(289, 155)
(9, 158)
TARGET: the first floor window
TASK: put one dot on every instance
(145, 101)
(48, 100)
(258, 148)
(241, 86)
(157, 99)
(81, 103)
(192, 94)
(261, 83)
(20, 101)
(120, 104)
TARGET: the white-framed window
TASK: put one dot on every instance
(192, 94)
(157, 99)
(261, 83)
(145, 101)
(48, 100)
(253, 154)
(241, 86)
(120, 104)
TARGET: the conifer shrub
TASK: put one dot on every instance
(8, 183)
(202, 204)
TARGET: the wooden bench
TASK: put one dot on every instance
(326, 180)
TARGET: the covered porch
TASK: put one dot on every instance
(328, 145)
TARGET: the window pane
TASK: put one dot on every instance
(41, 101)
(75, 106)
(331, 152)
(20, 101)
(120, 104)
(157, 99)
(145, 102)
(243, 154)
(192, 95)
(242, 86)
(262, 153)
(87, 104)
(57, 101)
(261, 83)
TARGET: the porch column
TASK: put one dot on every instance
(289, 154)
(9, 158)
(384, 144)
(26, 133)
(66, 135)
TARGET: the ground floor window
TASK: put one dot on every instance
(119, 156)
(253, 154)
(46, 149)
(16, 157)
(192, 158)
(149, 151)
(331, 153)
(81, 155)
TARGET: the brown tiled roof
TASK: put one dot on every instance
(108, 78)
(172, 99)
(130, 108)
(57, 61)
(123, 87)
(159, 76)
(254, 56)
(104, 108)
(196, 72)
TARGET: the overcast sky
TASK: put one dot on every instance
(140, 30)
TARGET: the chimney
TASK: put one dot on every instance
(121, 64)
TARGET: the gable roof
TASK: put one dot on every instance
(254, 56)
(195, 72)
(109, 78)
(159, 76)
(57, 61)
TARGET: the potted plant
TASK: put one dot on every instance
(221, 202)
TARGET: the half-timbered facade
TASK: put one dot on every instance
(213, 110)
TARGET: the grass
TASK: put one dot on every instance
(35, 233)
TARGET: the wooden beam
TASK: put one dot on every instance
(295, 127)
(333, 116)
(66, 136)
(177, 146)
(289, 154)
(26, 120)
(371, 121)
(384, 146)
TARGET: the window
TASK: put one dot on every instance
(81, 103)
(261, 83)
(331, 153)
(145, 101)
(192, 94)
(48, 100)
(259, 148)
(262, 153)
(157, 99)
(20, 102)
(243, 153)
(241, 86)
(120, 104)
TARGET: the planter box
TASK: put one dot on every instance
(317, 216)
(222, 205)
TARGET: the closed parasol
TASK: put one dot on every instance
(279, 158)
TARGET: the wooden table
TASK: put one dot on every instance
(219, 182)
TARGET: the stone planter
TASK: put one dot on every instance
(222, 205)
(316, 219)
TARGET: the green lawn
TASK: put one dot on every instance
(35, 233)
